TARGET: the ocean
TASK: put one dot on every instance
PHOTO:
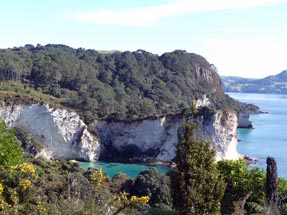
(132, 170)
(269, 136)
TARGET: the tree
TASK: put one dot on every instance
(271, 185)
(196, 184)
(151, 183)
(245, 188)
(10, 153)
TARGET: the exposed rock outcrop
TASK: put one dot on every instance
(65, 136)
(244, 121)
(204, 102)
(210, 75)
(160, 135)
(220, 128)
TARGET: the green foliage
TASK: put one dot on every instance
(10, 153)
(162, 210)
(111, 85)
(18, 181)
(156, 186)
(282, 190)
(42, 187)
(17, 93)
(28, 142)
(197, 186)
(242, 181)
(282, 193)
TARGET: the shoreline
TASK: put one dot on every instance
(249, 160)
(168, 164)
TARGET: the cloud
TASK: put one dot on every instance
(151, 16)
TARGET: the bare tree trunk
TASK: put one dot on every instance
(239, 205)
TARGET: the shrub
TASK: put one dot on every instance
(10, 153)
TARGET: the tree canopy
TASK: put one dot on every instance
(115, 85)
(196, 184)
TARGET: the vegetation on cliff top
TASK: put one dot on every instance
(113, 85)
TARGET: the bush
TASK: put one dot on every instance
(10, 153)
(241, 183)
(156, 186)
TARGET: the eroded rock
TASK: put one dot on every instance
(63, 133)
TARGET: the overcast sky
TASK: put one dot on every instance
(245, 38)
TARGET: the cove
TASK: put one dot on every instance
(132, 170)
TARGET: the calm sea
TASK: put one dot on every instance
(269, 138)
(131, 169)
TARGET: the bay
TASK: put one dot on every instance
(132, 170)
(269, 138)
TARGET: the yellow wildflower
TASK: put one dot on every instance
(139, 200)
(122, 197)
(97, 177)
(3, 204)
(40, 208)
(1, 188)
(25, 183)
(13, 195)
(27, 168)
(14, 209)
(118, 198)
(14, 167)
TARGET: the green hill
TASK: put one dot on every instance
(112, 85)
(276, 84)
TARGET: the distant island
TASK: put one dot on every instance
(273, 84)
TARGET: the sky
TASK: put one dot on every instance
(246, 38)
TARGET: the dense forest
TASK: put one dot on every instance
(115, 85)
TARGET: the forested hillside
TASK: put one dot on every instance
(114, 85)
(271, 84)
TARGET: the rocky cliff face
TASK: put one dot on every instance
(244, 121)
(66, 136)
(220, 128)
(63, 133)
(157, 138)
(210, 76)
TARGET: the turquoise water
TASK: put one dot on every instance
(269, 138)
(131, 169)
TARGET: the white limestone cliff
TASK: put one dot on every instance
(204, 102)
(221, 130)
(244, 121)
(66, 136)
(160, 134)
(63, 133)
